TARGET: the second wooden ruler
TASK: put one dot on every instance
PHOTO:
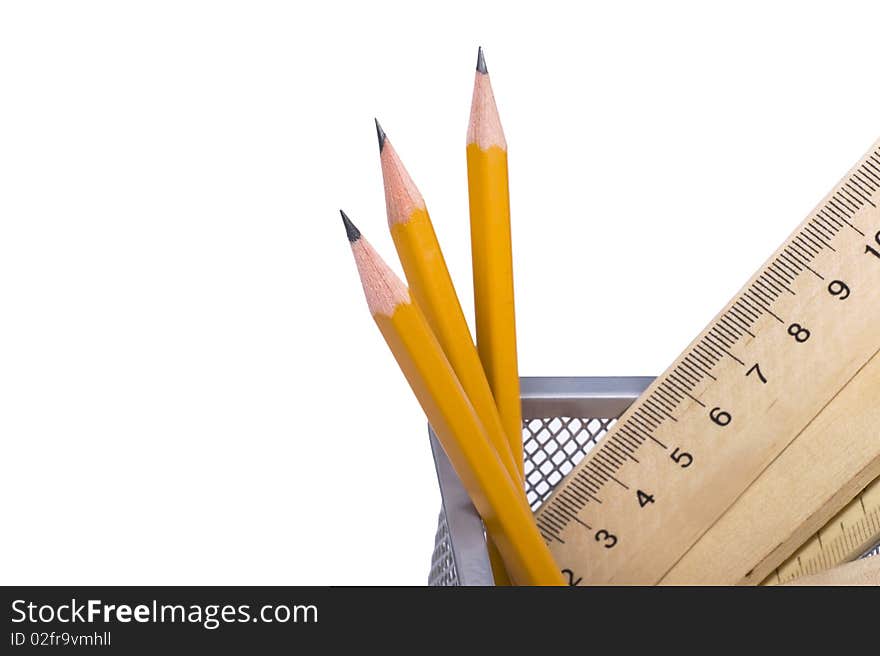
(853, 531)
(799, 331)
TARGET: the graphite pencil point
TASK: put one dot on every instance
(350, 229)
(380, 133)
(481, 62)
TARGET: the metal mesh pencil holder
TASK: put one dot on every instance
(563, 418)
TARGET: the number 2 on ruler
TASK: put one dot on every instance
(871, 249)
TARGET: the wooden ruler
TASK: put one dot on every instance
(832, 460)
(800, 330)
(852, 532)
(863, 572)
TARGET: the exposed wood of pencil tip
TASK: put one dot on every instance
(402, 197)
(383, 289)
(484, 127)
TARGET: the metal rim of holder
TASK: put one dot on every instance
(461, 529)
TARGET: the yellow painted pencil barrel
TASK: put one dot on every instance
(496, 496)
(429, 279)
(431, 285)
(491, 250)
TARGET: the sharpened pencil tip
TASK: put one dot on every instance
(350, 229)
(481, 62)
(380, 133)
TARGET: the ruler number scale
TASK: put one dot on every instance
(848, 535)
(793, 337)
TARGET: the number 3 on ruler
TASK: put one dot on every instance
(871, 249)
(608, 538)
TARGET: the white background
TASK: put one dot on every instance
(191, 388)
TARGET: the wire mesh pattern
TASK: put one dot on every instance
(443, 571)
(552, 447)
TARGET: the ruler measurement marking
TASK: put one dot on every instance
(583, 488)
(700, 366)
(765, 289)
(726, 323)
(702, 354)
(657, 407)
(780, 278)
(827, 226)
(629, 440)
(645, 420)
(841, 209)
(616, 459)
(856, 197)
(806, 253)
(724, 333)
(561, 514)
(684, 391)
(664, 403)
(863, 176)
(649, 436)
(862, 181)
(625, 451)
(734, 357)
(595, 479)
(655, 400)
(652, 412)
(770, 286)
(851, 200)
(783, 272)
(759, 293)
(605, 463)
(846, 202)
(832, 209)
(854, 190)
(553, 521)
(575, 496)
(860, 191)
(670, 395)
(789, 255)
(872, 160)
(688, 375)
(763, 304)
(743, 322)
(830, 218)
(816, 238)
(831, 228)
(575, 499)
(870, 174)
(590, 495)
(711, 348)
(591, 484)
(827, 234)
(812, 249)
(638, 439)
(750, 314)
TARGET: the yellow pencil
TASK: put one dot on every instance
(498, 499)
(492, 259)
(429, 279)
